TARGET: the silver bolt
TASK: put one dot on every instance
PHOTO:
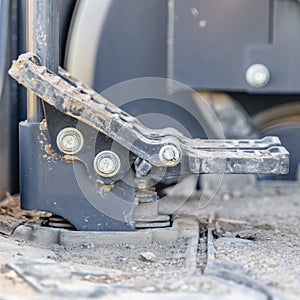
(258, 75)
(107, 163)
(169, 155)
(202, 23)
(69, 140)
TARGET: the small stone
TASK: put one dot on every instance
(247, 235)
(121, 258)
(85, 245)
(11, 275)
(148, 256)
(130, 247)
(22, 232)
(52, 257)
(226, 197)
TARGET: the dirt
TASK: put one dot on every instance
(255, 236)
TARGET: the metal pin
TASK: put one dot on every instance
(169, 155)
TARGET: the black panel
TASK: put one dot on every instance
(133, 42)
(64, 188)
(216, 41)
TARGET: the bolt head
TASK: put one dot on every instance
(107, 164)
(169, 155)
(69, 140)
(258, 75)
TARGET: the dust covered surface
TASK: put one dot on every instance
(255, 237)
(11, 216)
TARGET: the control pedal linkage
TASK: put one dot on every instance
(160, 148)
(150, 150)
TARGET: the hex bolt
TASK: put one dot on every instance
(107, 163)
(169, 155)
(69, 140)
(258, 75)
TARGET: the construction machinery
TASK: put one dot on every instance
(218, 80)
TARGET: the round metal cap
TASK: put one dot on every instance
(69, 140)
(107, 163)
(258, 75)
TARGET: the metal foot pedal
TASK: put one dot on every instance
(86, 161)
